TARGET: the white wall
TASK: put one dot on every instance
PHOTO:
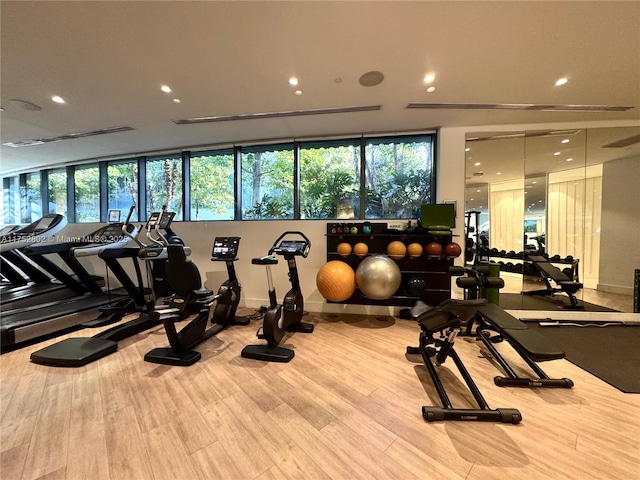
(620, 227)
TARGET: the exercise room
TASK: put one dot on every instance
(311, 240)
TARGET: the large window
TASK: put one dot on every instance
(87, 190)
(164, 185)
(330, 179)
(267, 182)
(212, 183)
(399, 176)
(355, 178)
(31, 204)
(11, 200)
(58, 191)
(122, 187)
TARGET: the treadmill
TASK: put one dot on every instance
(58, 284)
(15, 267)
(9, 275)
(30, 323)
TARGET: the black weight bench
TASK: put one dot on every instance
(495, 325)
(551, 273)
(446, 321)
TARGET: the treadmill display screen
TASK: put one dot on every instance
(225, 247)
(43, 224)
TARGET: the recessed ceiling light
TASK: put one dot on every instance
(566, 140)
(477, 164)
(534, 183)
(569, 159)
(57, 99)
(498, 173)
(431, 89)
(556, 153)
(429, 78)
(293, 81)
(298, 92)
(468, 149)
(561, 81)
(478, 191)
(176, 100)
(165, 88)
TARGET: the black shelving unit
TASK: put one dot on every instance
(432, 270)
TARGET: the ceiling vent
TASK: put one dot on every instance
(625, 142)
(68, 136)
(539, 133)
(521, 106)
(291, 113)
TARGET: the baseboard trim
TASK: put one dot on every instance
(622, 290)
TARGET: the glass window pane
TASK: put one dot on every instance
(164, 185)
(11, 200)
(87, 188)
(31, 203)
(398, 176)
(122, 187)
(58, 192)
(267, 183)
(330, 180)
(212, 186)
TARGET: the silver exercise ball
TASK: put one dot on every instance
(378, 277)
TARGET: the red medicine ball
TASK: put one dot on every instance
(452, 250)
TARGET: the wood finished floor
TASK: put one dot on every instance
(347, 407)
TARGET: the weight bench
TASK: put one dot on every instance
(551, 273)
(495, 325)
(447, 321)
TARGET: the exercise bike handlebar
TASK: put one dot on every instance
(306, 250)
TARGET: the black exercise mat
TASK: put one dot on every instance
(611, 353)
(516, 301)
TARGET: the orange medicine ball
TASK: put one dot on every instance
(434, 249)
(336, 281)
(414, 250)
(361, 249)
(396, 250)
(344, 249)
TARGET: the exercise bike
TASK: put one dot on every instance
(285, 317)
(184, 278)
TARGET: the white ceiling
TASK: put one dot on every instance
(108, 60)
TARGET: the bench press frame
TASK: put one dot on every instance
(551, 273)
(449, 324)
(495, 325)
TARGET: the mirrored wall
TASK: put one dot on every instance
(547, 201)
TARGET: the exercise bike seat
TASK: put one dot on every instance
(266, 260)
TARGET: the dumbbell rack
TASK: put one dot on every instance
(527, 268)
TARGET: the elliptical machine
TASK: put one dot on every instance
(285, 317)
(184, 277)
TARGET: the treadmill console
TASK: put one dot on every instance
(112, 233)
(225, 248)
(292, 247)
(162, 219)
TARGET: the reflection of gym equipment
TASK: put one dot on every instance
(184, 279)
(447, 320)
(551, 273)
(286, 317)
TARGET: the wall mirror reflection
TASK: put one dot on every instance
(558, 210)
